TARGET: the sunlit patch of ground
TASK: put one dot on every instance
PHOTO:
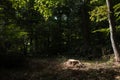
(55, 69)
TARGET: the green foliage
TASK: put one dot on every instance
(97, 2)
(30, 25)
(99, 14)
(14, 31)
(93, 1)
(12, 34)
(117, 11)
(103, 30)
(106, 30)
(43, 6)
(19, 3)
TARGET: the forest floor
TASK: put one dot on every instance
(52, 69)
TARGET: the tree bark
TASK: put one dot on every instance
(85, 23)
(112, 28)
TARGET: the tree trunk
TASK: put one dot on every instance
(112, 30)
(85, 26)
(85, 30)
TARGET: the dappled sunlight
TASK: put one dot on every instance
(72, 64)
(63, 69)
(59, 40)
(89, 70)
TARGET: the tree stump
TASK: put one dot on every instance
(73, 64)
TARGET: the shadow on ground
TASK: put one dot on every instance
(51, 70)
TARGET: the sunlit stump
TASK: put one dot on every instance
(73, 64)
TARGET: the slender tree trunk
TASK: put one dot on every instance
(112, 30)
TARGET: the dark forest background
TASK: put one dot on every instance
(43, 28)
